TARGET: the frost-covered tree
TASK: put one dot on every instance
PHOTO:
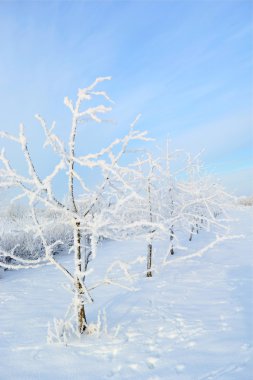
(205, 202)
(80, 212)
(140, 211)
(150, 208)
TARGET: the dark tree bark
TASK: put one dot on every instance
(150, 247)
(81, 316)
(171, 239)
(149, 260)
(191, 234)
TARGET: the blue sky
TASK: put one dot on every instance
(185, 65)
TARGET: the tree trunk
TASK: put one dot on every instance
(191, 234)
(171, 239)
(80, 310)
(150, 248)
(149, 260)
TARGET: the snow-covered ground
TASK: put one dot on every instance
(191, 321)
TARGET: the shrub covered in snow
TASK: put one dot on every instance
(245, 201)
(17, 232)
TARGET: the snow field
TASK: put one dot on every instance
(191, 321)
